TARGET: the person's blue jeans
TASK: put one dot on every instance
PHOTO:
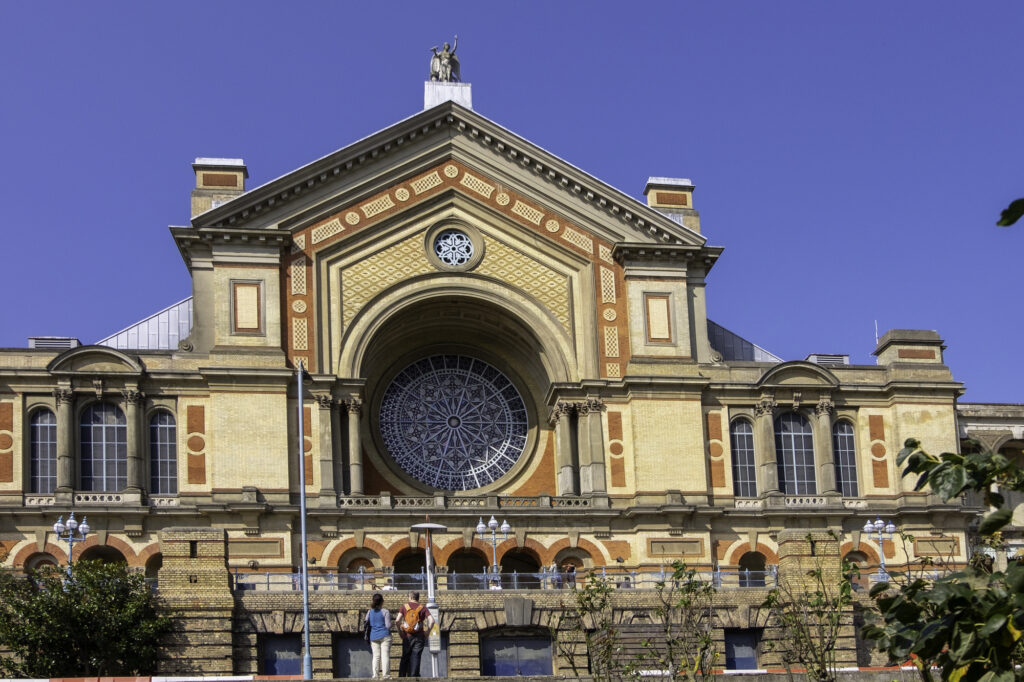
(412, 652)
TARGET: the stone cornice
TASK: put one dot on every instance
(188, 238)
(452, 120)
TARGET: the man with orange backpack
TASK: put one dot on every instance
(414, 622)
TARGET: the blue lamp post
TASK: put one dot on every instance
(66, 532)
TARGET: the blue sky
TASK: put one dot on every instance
(852, 158)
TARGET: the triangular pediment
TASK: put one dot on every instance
(448, 132)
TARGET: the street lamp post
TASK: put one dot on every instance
(885, 531)
(60, 527)
(434, 642)
(493, 526)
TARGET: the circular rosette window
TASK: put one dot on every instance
(453, 247)
(453, 422)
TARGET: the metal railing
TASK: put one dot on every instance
(455, 581)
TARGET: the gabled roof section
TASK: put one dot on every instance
(450, 120)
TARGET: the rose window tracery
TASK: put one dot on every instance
(453, 422)
(453, 247)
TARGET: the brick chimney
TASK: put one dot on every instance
(674, 198)
(217, 182)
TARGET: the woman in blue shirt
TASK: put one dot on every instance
(378, 620)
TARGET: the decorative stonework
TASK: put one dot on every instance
(326, 231)
(766, 406)
(520, 209)
(298, 276)
(579, 239)
(529, 212)
(299, 306)
(607, 285)
(300, 336)
(299, 243)
(425, 183)
(613, 370)
(611, 342)
(364, 279)
(552, 226)
(377, 206)
(477, 185)
(609, 314)
(544, 284)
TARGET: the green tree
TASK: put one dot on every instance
(1011, 213)
(811, 614)
(967, 623)
(591, 611)
(101, 621)
(685, 610)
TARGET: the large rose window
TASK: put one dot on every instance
(453, 422)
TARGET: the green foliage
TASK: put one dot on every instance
(968, 623)
(685, 610)
(811, 615)
(102, 621)
(593, 611)
(1011, 213)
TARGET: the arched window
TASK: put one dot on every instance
(744, 471)
(104, 448)
(163, 454)
(752, 569)
(845, 458)
(794, 448)
(43, 452)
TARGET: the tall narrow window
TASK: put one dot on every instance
(104, 448)
(43, 452)
(794, 448)
(845, 458)
(163, 454)
(744, 471)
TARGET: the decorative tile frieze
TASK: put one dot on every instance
(298, 276)
(326, 231)
(528, 212)
(376, 206)
(477, 185)
(579, 239)
(426, 182)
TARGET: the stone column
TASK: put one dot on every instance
(136, 467)
(561, 419)
(327, 492)
(355, 448)
(591, 443)
(65, 398)
(823, 445)
(766, 457)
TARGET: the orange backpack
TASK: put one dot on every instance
(411, 623)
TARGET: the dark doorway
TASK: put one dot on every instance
(519, 568)
(508, 655)
(281, 654)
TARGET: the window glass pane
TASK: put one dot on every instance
(43, 452)
(163, 454)
(282, 654)
(741, 649)
(845, 458)
(794, 449)
(744, 476)
(104, 451)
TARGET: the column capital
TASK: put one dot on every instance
(559, 410)
(766, 407)
(590, 406)
(825, 407)
(325, 401)
(133, 396)
(64, 396)
(353, 405)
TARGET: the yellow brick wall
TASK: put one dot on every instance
(668, 445)
(248, 441)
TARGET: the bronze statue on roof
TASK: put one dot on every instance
(444, 65)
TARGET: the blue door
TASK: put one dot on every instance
(352, 657)
(282, 654)
(516, 655)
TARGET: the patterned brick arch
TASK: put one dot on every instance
(596, 555)
(120, 545)
(147, 552)
(350, 543)
(399, 546)
(740, 547)
(30, 548)
(864, 548)
(443, 554)
(530, 545)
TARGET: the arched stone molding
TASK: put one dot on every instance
(529, 544)
(442, 554)
(120, 545)
(391, 553)
(354, 553)
(335, 554)
(864, 548)
(797, 373)
(29, 548)
(147, 552)
(597, 556)
(557, 349)
(741, 547)
(578, 553)
(95, 361)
